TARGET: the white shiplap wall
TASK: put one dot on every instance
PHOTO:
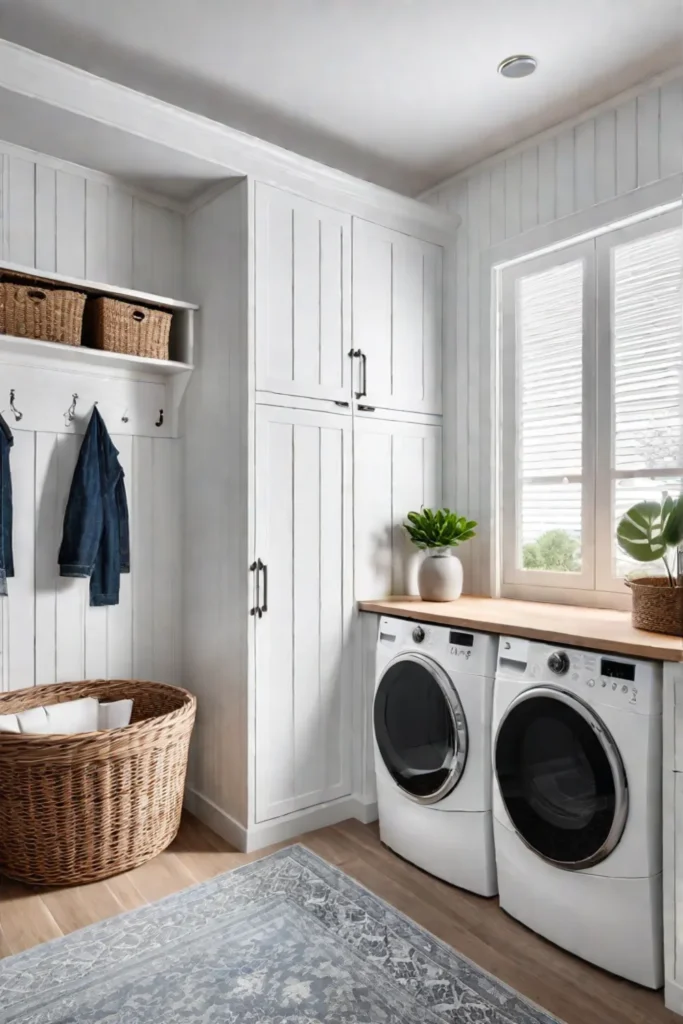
(61, 218)
(634, 142)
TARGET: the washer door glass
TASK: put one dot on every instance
(420, 728)
(561, 778)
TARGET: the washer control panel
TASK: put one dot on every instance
(456, 649)
(631, 684)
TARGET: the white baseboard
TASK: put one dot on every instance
(278, 830)
(673, 996)
(216, 819)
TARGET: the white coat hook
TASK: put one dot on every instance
(70, 414)
(15, 412)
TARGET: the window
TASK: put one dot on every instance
(592, 401)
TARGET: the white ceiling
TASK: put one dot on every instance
(401, 92)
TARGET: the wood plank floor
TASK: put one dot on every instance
(564, 985)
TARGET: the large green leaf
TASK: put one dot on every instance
(640, 532)
(438, 529)
(672, 531)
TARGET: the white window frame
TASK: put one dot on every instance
(513, 575)
(622, 215)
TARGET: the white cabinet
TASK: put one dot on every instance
(303, 539)
(397, 319)
(672, 792)
(302, 287)
(397, 468)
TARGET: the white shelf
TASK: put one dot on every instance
(97, 288)
(75, 356)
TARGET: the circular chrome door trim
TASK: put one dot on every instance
(458, 720)
(611, 751)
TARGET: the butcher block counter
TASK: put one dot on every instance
(594, 628)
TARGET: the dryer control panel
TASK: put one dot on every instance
(456, 648)
(631, 684)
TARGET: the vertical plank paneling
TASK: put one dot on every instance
(606, 156)
(546, 181)
(167, 244)
(513, 196)
(458, 459)
(584, 164)
(120, 616)
(70, 224)
(334, 463)
(167, 548)
(529, 189)
(627, 149)
(647, 135)
(46, 218)
(72, 594)
(309, 765)
(143, 528)
(143, 245)
(497, 221)
(48, 537)
(96, 229)
(20, 204)
(564, 175)
(21, 608)
(671, 128)
(120, 238)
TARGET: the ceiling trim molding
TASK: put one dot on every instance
(653, 82)
(41, 78)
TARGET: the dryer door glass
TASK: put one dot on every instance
(561, 778)
(420, 728)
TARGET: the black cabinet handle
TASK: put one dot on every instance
(364, 375)
(254, 567)
(366, 408)
(264, 606)
(344, 405)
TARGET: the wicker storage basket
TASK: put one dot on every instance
(75, 809)
(31, 309)
(656, 606)
(134, 330)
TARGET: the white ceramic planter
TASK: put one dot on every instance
(440, 576)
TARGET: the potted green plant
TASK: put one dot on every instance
(649, 532)
(438, 532)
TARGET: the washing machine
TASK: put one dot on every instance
(577, 802)
(432, 736)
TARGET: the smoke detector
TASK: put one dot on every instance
(518, 66)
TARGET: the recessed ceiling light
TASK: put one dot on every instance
(518, 66)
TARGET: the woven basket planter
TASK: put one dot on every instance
(76, 809)
(656, 606)
(117, 326)
(33, 310)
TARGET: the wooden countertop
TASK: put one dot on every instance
(594, 628)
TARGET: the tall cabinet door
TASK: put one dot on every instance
(397, 319)
(303, 297)
(303, 536)
(397, 469)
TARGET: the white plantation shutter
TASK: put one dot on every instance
(550, 374)
(592, 402)
(642, 450)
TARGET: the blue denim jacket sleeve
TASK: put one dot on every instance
(6, 555)
(84, 516)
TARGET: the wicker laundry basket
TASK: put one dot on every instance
(117, 326)
(33, 309)
(76, 809)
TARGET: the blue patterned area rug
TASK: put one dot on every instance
(284, 940)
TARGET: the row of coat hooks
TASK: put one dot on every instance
(70, 414)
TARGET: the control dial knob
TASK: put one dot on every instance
(418, 634)
(558, 662)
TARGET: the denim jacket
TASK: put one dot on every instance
(6, 558)
(95, 540)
